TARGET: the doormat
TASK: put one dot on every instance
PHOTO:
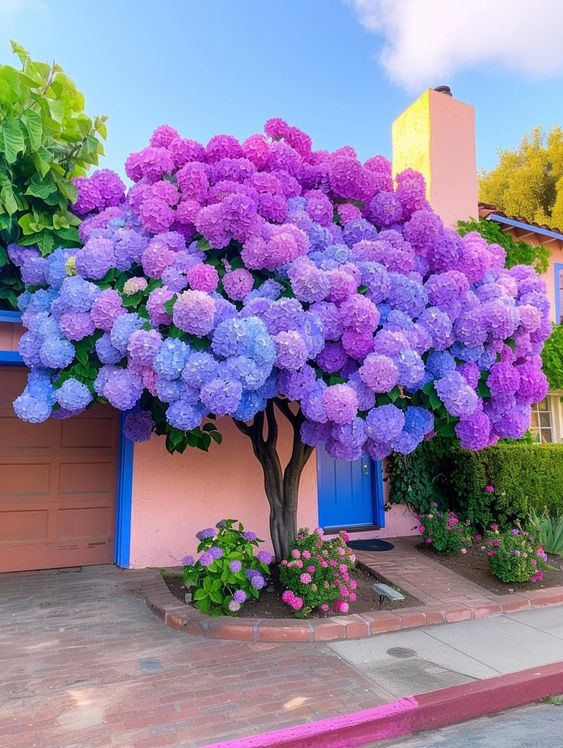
(370, 545)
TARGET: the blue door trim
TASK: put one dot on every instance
(379, 496)
(124, 492)
(10, 316)
(557, 270)
(11, 357)
(122, 548)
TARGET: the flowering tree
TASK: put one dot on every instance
(265, 280)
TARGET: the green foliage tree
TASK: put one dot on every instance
(528, 181)
(552, 356)
(45, 140)
(517, 253)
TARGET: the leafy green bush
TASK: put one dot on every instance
(514, 556)
(227, 572)
(444, 531)
(525, 478)
(517, 253)
(45, 140)
(420, 479)
(552, 357)
(547, 531)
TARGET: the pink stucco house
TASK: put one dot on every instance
(77, 492)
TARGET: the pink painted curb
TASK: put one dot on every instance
(414, 714)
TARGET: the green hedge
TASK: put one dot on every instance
(525, 477)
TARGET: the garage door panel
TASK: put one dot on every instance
(25, 479)
(16, 434)
(86, 477)
(85, 522)
(89, 433)
(24, 526)
(57, 485)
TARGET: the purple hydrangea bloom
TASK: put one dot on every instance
(235, 566)
(73, 395)
(138, 426)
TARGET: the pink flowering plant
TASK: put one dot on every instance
(316, 574)
(229, 568)
(444, 531)
(513, 555)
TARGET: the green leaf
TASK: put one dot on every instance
(200, 594)
(22, 53)
(13, 139)
(31, 121)
(40, 187)
(216, 436)
(169, 305)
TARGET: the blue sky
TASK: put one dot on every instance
(209, 66)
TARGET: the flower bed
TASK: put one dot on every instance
(474, 565)
(270, 604)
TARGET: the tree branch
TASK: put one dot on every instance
(272, 438)
(243, 428)
(283, 406)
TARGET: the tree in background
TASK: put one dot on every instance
(528, 181)
(45, 140)
(266, 280)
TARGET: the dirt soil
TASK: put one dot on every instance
(270, 605)
(474, 565)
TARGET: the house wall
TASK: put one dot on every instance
(174, 496)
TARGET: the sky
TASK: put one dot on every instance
(340, 69)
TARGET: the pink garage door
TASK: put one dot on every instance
(57, 485)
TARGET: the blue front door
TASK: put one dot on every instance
(350, 493)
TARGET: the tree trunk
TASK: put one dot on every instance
(281, 484)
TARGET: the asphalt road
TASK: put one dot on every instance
(540, 725)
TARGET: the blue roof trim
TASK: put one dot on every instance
(525, 226)
(122, 548)
(9, 316)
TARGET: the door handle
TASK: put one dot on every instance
(365, 469)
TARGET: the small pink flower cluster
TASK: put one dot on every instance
(317, 574)
(294, 602)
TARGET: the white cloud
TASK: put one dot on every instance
(428, 41)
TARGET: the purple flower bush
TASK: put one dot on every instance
(228, 571)
(316, 574)
(234, 273)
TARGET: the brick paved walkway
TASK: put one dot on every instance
(84, 662)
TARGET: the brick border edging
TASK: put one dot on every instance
(181, 617)
(414, 714)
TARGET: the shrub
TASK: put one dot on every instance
(227, 571)
(514, 556)
(526, 478)
(420, 479)
(547, 531)
(45, 140)
(317, 574)
(444, 531)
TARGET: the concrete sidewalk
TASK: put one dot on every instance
(435, 657)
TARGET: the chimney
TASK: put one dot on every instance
(436, 136)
